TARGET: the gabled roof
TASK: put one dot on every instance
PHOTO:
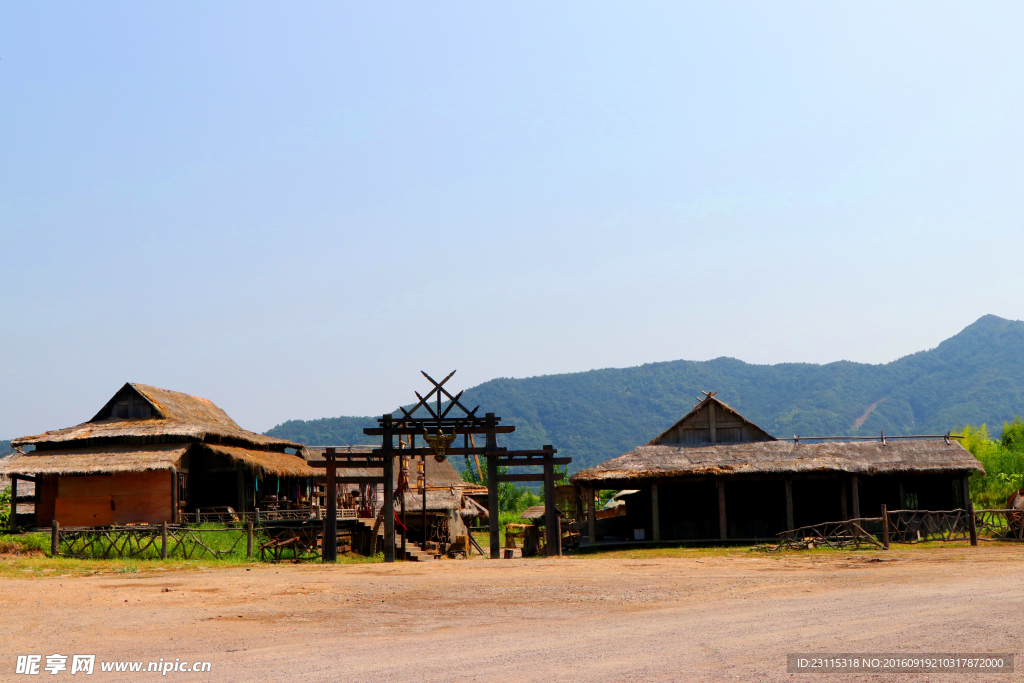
(139, 414)
(694, 428)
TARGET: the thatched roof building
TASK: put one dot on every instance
(157, 453)
(683, 475)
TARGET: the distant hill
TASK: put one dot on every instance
(974, 377)
(4, 446)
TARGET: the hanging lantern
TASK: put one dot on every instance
(421, 478)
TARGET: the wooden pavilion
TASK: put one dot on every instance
(151, 454)
(716, 475)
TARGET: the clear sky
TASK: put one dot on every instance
(292, 208)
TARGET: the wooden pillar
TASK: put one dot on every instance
(389, 492)
(655, 519)
(885, 527)
(711, 422)
(330, 544)
(241, 488)
(723, 529)
(13, 521)
(248, 540)
(855, 491)
(492, 485)
(163, 540)
(969, 506)
(842, 500)
(403, 477)
(591, 516)
(790, 518)
(553, 542)
(54, 538)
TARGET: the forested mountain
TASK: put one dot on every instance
(974, 377)
(4, 446)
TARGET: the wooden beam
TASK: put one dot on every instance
(352, 480)
(526, 462)
(374, 464)
(521, 477)
(655, 519)
(404, 431)
(790, 523)
(723, 529)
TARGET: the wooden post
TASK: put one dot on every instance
(403, 476)
(591, 516)
(163, 540)
(240, 493)
(389, 491)
(558, 526)
(855, 491)
(330, 545)
(492, 485)
(54, 538)
(248, 540)
(12, 523)
(197, 516)
(885, 527)
(723, 529)
(842, 499)
(711, 422)
(423, 503)
(551, 526)
(790, 518)
(969, 506)
(175, 510)
(256, 516)
(655, 520)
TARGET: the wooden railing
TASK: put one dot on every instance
(908, 527)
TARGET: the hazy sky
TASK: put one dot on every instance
(292, 208)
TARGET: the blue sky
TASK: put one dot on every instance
(291, 209)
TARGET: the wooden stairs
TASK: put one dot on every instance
(412, 552)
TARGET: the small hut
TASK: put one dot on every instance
(716, 475)
(151, 454)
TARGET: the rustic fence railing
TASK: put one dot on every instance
(152, 542)
(258, 517)
(908, 527)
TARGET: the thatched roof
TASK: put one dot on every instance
(143, 414)
(101, 459)
(268, 462)
(783, 457)
(537, 513)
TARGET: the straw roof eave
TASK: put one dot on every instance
(99, 460)
(782, 457)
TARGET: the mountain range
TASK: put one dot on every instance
(974, 377)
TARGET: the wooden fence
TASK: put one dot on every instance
(908, 527)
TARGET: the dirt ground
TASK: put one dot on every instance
(640, 616)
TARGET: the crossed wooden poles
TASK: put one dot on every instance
(412, 427)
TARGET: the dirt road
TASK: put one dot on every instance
(696, 617)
